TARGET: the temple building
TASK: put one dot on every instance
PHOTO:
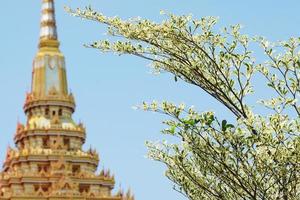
(48, 161)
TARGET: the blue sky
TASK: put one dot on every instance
(106, 86)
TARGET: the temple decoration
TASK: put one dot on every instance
(48, 161)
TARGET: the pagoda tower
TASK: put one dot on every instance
(48, 162)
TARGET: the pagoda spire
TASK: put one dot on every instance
(48, 22)
(48, 29)
(49, 161)
(49, 74)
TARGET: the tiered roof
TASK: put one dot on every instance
(48, 161)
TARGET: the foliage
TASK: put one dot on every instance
(256, 157)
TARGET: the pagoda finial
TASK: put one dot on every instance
(48, 32)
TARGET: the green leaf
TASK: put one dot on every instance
(175, 78)
(229, 126)
(224, 123)
(172, 130)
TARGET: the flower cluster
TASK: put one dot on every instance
(254, 157)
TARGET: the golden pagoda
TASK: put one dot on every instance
(48, 162)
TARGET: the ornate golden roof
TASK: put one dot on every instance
(48, 161)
